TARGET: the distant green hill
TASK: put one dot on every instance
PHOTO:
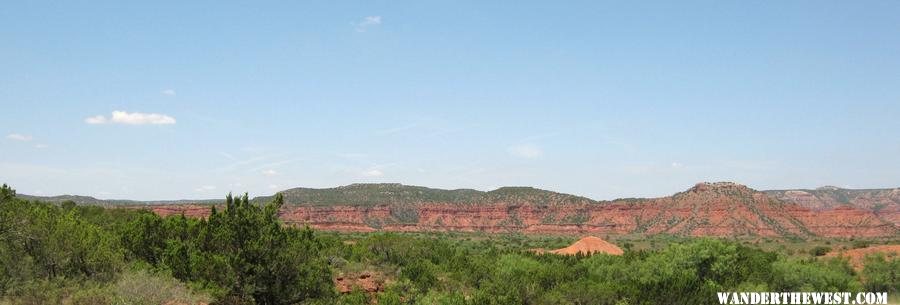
(365, 194)
(87, 200)
(369, 194)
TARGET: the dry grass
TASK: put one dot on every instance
(144, 288)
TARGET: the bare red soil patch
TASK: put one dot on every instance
(365, 281)
(857, 256)
(590, 245)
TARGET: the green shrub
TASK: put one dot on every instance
(819, 250)
(881, 274)
(859, 244)
(829, 275)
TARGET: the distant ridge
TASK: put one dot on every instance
(362, 194)
(88, 200)
(374, 193)
(830, 196)
(368, 194)
(705, 209)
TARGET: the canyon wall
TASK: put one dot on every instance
(707, 209)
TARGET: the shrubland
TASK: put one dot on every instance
(242, 254)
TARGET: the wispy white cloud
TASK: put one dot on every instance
(275, 164)
(353, 156)
(539, 137)
(640, 168)
(426, 127)
(254, 149)
(242, 164)
(97, 119)
(131, 118)
(398, 129)
(677, 165)
(228, 156)
(372, 172)
(617, 141)
(169, 92)
(442, 131)
(205, 188)
(361, 166)
(41, 146)
(526, 151)
(266, 164)
(19, 137)
(750, 165)
(368, 22)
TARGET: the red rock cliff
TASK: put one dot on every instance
(707, 209)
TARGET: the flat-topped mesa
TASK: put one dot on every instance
(531, 196)
(828, 188)
(725, 188)
(371, 194)
(379, 194)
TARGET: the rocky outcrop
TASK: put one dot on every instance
(707, 209)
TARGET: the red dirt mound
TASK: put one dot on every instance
(857, 256)
(590, 245)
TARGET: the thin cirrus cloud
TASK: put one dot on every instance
(131, 118)
(368, 22)
(205, 188)
(526, 151)
(169, 92)
(372, 173)
(19, 137)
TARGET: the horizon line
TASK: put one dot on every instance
(462, 189)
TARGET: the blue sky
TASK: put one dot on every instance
(602, 99)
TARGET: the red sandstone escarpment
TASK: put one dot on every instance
(890, 214)
(883, 203)
(719, 209)
(707, 209)
(338, 218)
(188, 210)
(844, 222)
